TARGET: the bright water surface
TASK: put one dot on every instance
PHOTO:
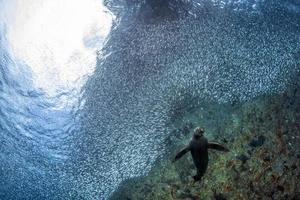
(87, 90)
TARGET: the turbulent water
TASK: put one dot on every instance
(87, 92)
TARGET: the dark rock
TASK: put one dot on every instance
(294, 166)
(267, 159)
(296, 197)
(257, 142)
(249, 152)
(243, 168)
(224, 140)
(280, 188)
(219, 196)
(285, 132)
(243, 158)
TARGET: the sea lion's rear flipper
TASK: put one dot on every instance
(181, 153)
(200, 173)
(196, 178)
(216, 146)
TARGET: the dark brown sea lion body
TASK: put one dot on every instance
(199, 149)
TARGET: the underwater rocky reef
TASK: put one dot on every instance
(94, 94)
(263, 162)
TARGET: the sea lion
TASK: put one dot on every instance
(199, 149)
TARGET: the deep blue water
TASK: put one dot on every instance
(79, 114)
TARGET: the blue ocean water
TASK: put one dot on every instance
(88, 89)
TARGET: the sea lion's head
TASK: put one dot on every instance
(198, 132)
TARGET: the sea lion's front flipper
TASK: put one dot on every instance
(181, 153)
(216, 146)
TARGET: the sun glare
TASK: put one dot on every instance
(58, 39)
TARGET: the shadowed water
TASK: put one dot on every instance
(158, 61)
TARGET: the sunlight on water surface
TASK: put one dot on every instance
(57, 39)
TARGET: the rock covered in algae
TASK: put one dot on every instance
(263, 162)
